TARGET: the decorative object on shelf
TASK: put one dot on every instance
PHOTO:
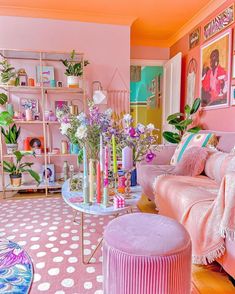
(60, 104)
(10, 109)
(45, 74)
(31, 82)
(73, 108)
(118, 201)
(65, 170)
(28, 114)
(28, 103)
(59, 84)
(53, 83)
(22, 77)
(37, 116)
(48, 173)
(215, 71)
(7, 73)
(46, 115)
(182, 122)
(64, 147)
(71, 171)
(74, 70)
(11, 137)
(32, 143)
(55, 151)
(220, 22)
(99, 95)
(52, 116)
(16, 169)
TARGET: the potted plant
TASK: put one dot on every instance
(182, 123)
(7, 73)
(74, 70)
(11, 136)
(16, 169)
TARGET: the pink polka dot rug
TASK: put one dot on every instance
(44, 227)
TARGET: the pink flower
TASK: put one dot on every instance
(150, 156)
(132, 132)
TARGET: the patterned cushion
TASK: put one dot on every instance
(189, 140)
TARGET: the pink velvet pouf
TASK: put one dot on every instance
(146, 254)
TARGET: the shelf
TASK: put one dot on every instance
(29, 122)
(62, 155)
(42, 155)
(33, 186)
(36, 89)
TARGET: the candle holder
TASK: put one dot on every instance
(128, 184)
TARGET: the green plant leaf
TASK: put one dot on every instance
(196, 105)
(18, 155)
(194, 130)
(171, 137)
(5, 118)
(187, 109)
(185, 123)
(174, 121)
(175, 115)
(3, 98)
(34, 175)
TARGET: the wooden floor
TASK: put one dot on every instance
(206, 279)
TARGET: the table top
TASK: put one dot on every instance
(74, 199)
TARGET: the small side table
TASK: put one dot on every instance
(97, 209)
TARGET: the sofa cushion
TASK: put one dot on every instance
(146, 174)
(218, 164)
(192, 163)
(189, 140)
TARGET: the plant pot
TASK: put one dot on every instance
(11, 148)
(73, 81)
(16, 180)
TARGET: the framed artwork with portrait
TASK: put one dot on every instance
(215, 71)
(48, 173)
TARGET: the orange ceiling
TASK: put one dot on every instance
(152, 21)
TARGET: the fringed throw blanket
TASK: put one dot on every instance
(204, 208)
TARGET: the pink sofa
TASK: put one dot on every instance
(147, 172)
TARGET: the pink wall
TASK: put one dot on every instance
(106, 46)
(149, 53)
(218, 119)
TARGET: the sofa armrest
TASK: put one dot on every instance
(163, 155)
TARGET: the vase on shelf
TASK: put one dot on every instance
(73, 81)
(74, 148)
(11, 148)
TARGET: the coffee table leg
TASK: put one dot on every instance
(75, 212)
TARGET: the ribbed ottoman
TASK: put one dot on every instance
(146, 254)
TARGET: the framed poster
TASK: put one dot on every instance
(215, 71)
(28, 103)
(194, 38)
(232, 95)
(47, 74)
(220, 22)
(48, 173)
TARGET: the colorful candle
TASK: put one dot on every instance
(101, 154)
(106, 166)
(85, 178)
(127, 158)
(91, 180)
(98, 182)
(114, 155)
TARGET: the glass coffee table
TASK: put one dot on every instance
(74, 200)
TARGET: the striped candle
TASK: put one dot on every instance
(114, 155)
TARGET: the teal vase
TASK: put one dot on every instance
(74, 148)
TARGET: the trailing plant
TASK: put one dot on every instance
(7, 71)
(11, 135)
(5, 117)
(182, 122)
(20, 167)
(74, 67)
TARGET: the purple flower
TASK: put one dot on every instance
(132, 132)
(150, 156)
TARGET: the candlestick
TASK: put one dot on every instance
(98, 182)
(101, 154)
(105, 196)
(114, 155)
(106, 166)
(91, 180)
(85, 178)
(127, 158)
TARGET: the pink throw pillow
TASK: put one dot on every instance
(192, 163)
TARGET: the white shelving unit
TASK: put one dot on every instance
(21, 59)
